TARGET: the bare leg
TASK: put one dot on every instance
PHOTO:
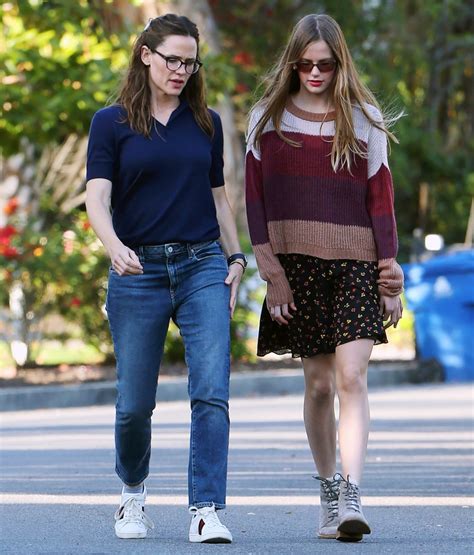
(352, 360)
(319, 417)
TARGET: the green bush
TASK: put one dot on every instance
(63, 271)
(59, 271)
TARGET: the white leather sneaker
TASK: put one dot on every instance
(206, 527)
(131, 522)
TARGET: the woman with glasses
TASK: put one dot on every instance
(320, 209)
(156, 199)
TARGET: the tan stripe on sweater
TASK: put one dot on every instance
(322, 239)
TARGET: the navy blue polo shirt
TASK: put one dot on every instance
(161, 186)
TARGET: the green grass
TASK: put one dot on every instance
(55, 352)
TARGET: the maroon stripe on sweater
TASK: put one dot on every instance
(253, 178)
(312, 158)
(380, 199)
(257, 223)
(380, 192)
(385, 235)
(316, 199)
(254, 200)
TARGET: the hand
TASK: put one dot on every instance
(281, 314)
(236, 271)
(125, 261)
(391, 309)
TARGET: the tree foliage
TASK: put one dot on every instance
(57, 66)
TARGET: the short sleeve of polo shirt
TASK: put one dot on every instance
(216, 173)
(101, 149)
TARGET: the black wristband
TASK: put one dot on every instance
(239, 262)
(237, 256)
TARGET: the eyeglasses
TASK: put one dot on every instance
(173, 63)
(305, 66)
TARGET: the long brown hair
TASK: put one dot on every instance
(347, 89)
(135, 95)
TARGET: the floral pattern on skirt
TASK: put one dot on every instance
(337, 302)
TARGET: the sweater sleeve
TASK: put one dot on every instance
(380, 205)
(269, 267)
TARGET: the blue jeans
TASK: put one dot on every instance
(184, 282)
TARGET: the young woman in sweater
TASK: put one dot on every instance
(320, 210)
(156, 158)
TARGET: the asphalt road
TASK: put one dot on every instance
(59, 491)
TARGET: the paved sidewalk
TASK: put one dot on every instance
(59, 491)
(281, 381)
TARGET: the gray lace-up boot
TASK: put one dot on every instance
(328, 512)
(352, 522)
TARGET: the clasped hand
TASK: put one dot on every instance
(391, 309)
(281, 313)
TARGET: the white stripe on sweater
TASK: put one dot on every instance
(374, 138)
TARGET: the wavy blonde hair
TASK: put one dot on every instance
(135, 94)
(347, 89)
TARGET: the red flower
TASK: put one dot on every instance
(75, 301)
(8, 252)
(86, 225)
(7, 232)
(241, 88)
(243, 58)
(11, 206)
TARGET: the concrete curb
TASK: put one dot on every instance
(243, 384)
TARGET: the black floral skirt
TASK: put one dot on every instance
(337, 302)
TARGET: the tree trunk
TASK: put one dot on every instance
(200, 12)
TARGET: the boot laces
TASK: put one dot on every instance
(331, 494)
(351, 495)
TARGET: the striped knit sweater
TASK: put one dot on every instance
(296, 203)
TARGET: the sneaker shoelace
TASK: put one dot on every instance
(331, 493)
(132, 512)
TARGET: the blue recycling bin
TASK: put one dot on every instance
(440, 292)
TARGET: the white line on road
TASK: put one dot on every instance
(369, 501)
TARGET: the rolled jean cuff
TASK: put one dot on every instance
(218, 506)
(129, 484)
